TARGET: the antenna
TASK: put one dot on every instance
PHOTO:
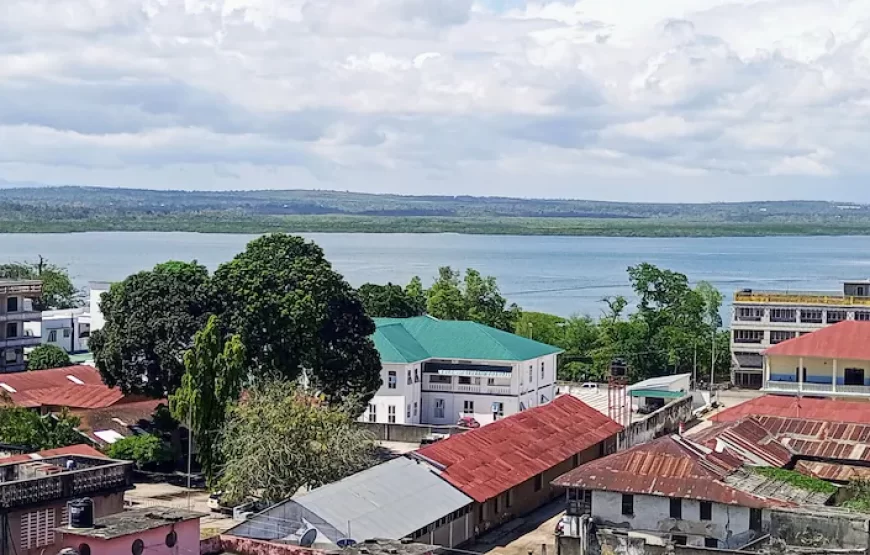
(345, 542)
(308, 538)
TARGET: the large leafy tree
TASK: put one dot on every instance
(476, 298)
(388, 301)
(20, 426)
(444, 299)
(279, 439)
(292, 311)
(151, 318)
(47, 356)
(215, 372)
(58, 290)
(146, 450)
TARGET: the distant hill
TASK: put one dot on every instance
(33, 208)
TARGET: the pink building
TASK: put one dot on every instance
(143, 531)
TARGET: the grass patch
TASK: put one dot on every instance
(796, 479)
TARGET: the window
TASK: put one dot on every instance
(468, 407)
(11, 355)
(542, 371)
(171, 539)
(531, 369)
(373, 413)
(415, 409)
(37, 528)
(436, 378)
(409, 377)
(755, 519)
(783, 315)
(834, 316)
(627, 504)
(676, 508)
(862, 316)
(490, 381)
(780, 336)
(12, 304)
(706, 510)
(711, 542)
(11, 330)
(748, 336)
(495, 504)
(680, 540)
(408, 412)
(464, 380)
(497, 410)
(811, 315)
(391, 379)
(575, 461)
(84, 549)
(138, 547)
(391, 414)
(66, 333)
(508, 499)
(543, 399)
(439, 408)
(52, 336)
(539, 482)
(853, 376)
(750, 314)
(416, 375)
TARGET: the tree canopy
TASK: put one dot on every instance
(58, 291)
(391, 301)
(476, 298)
(21, 426)
(146, 450)
(279, 439)
(151, 318)
(47, 356)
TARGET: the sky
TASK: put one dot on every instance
(631, 100)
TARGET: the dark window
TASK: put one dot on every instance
(706, 510)
(711, 542)
(575, 462)
(680, 540)
(676, 508)
(84, 549)
(138, 547)
(627, 504)
(853, 376)
(755, 519)
(539, 482)
(12, 304)
(507, 499)
(464, 380)
(11, 330)
(171, 539)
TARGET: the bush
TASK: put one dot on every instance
(149, 452)
(44, 357)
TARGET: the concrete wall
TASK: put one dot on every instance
(407, 433)
(605, 542)
(821, 529)
(154, 540)
(666, 420)
(233, 544)
(729, 524)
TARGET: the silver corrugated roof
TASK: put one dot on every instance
(388, 501)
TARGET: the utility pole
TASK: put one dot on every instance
(712, 361)
(695, 368)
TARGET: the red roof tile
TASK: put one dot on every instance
(668, 466)
(487, 462)
(55, 388)
(825, 410)
(119, 418)
(849, 340)
(81, 449)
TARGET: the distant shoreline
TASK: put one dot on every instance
(470, 225)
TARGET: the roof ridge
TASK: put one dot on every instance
(486, 329)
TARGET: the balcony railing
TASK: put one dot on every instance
(23, 341)
(800, 298)
(94, 476)
(21, 316)
(468, 388)
(28, 288)
(817, 389)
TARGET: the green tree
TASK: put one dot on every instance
(146, 450)
(388, 301)
(151, 318)
(47, 356)
(581, 338)
(444, 300)
(215, 372)
(21, 426)
(58, 291)
(278, 440)
(540, 326)
(417, 294)
(292, 311)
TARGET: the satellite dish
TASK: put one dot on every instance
(345, 542)
(307, 539)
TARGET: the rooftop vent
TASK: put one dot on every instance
(75, 380)
(8, 387)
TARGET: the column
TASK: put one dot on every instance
(834, 377)
(801, 374)
(766, 371)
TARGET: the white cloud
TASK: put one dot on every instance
(674, 99)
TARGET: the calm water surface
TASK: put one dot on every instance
(561, 275)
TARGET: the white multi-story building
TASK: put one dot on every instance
(16, 310)
(761, 319)
(68, 329)
(438, 371)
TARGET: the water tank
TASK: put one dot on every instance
(81, 513)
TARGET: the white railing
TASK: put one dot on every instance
(23, 316)
(469, 388)
(817, 388)
(439, 387)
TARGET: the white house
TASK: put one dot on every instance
(438, 371)
(68, 329)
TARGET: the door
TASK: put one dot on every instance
(853, 376)
(755, 519)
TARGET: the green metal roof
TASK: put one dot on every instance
(405, 340)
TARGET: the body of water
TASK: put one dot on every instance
(560, 275)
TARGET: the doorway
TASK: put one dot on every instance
(853, 376)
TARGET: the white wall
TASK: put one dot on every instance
(652, 513)
(454, 404)
(70, 322)
(403, 397)
(97, 289)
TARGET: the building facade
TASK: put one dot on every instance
(16, 310)
(761, 319)
(153, 530)
(436, 372)
(68, 329)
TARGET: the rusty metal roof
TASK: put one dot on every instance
(825, 410)
(846, 340)
(747, 439)
(75, 387)
(488, 461)
(669, 466)
(833, 472)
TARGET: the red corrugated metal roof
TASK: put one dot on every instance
(825, 410)
(77, 387)
(670, 467)
(81, 449)
(833, 472)
(743, 437)
(847, 340)
(487, 462)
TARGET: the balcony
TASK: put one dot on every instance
(21, 316)
(23, 341)
(800, 298)
(27, 288)
(26, 484)
(817, 389)
(468, 388)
